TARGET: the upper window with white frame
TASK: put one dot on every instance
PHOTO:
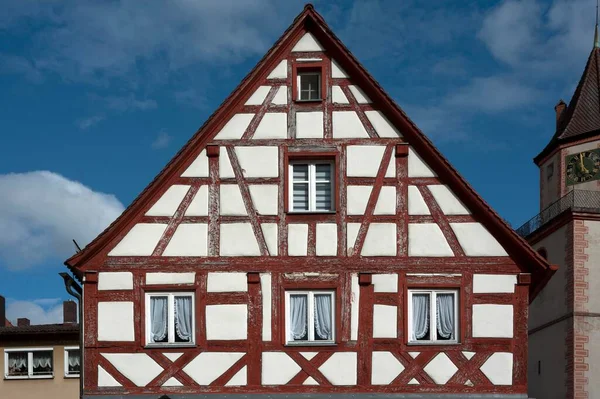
(309, 85)
(28, 363)
(170, 318)
(72, 361)
(312, 186)
(433, 316)
(310, 317)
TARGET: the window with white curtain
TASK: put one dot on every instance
(312, 185)
(170, 318)
(310, 317)
(433, 316)
(28, 363)
(72, 361)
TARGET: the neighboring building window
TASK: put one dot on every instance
(170, 318)
(310, 317)
(28, 363)
(309, 85)
(72, 361)
(550, 171)
(312, 185)
(433, 316)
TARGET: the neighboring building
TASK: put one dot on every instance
(40, 361)
(564, 323)
(308, 239)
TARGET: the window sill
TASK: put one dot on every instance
(169, 345)
(29, 377)
(320, 100)
(433, 343)
(311, 212)
(72, 376)
(308, 344)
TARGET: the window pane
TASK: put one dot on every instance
(74, 361)
(323, 194)
(323, 172)
(183, 319)
(17, 363)
(323, 317)
(309, 86)
(300, 197)
(445, 316)
(300, 172)
(420, 317)
(42, 362)
(159, 319)
(298, 317)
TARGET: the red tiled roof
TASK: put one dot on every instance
(39, 329)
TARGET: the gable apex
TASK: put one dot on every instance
(307, 43)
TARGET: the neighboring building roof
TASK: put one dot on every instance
(40, 332)
(517, 248)
(7, 323)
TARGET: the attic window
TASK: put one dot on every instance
(308, 81)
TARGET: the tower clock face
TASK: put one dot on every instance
(583, 167)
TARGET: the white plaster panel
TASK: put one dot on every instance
(494, 283)
(363, 160)
(382, 126)
(385, 368)
(269, 231)
(310, 381)
(340, 368)
(326, 239)
(346, 124)
(159, 278)
(338, 96)
(115, 321)
(440, 369)
(499, 368)
(351, 234)
(225, 169)
(140, 240)
(239, 379)
(413, 382)
(105, 379)
(468, 354)
(259, 161)
(385, 282)
(281, 97)
(380, 240)
(258, 97)
(265, 198)
(273, 125)
(208, 366)
(198, 168)
(172, 356)
(237, 239)
(357, 198)
(297, 239)
(227, 282)
(231, 201)
(265, 288)
(360, 96)
(278, 368)
(414, 354)
(337, 71)
(307, 43)
(416, 203)
(234, 129)
(390, 172)
(190, 239)
(427, 239)
(386, 203)
(199, 204)
(280, 71)
(115, 281)
(492, 321)
(226, 322)
(476, 240)
(385, 321)
(416, 166)
(139, 368)
(172, 382)
(447, 201)
(309, 355)
(355, 302)
(309, 125)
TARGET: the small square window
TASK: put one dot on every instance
(312, 184)
(310, 317)
(433, 316)
(550, 171)
(22, 364)
(309, 85)
(170, 318)
(72, 362)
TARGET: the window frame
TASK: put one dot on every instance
(299, 68)
(310, 321)
(66, 361)
(312, 184)
(433, 320)
(30, 375)
(170, 317)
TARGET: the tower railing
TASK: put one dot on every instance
(574, 200)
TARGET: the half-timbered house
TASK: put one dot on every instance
(308, 239)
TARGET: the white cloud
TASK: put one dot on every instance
(86, 123)
(130, 102)
(13, 64)
(38, 311)
(41, 212)
(162, 140)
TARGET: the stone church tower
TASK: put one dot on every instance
(564, 323)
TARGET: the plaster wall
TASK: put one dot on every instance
(550, 382)
(593, 258)
(592, 327)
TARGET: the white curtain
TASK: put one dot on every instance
(74, 358)
(420, 317)
(42, 359)
(298, 317)
(183, 317)
(445, 315)
(158, 318)
(17, 360)
(323, 317)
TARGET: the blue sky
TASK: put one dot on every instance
(97, 96)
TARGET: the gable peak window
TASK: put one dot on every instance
(170, 318)
(433, 316)
(310, 317)
(308, 83)
(312, 185)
